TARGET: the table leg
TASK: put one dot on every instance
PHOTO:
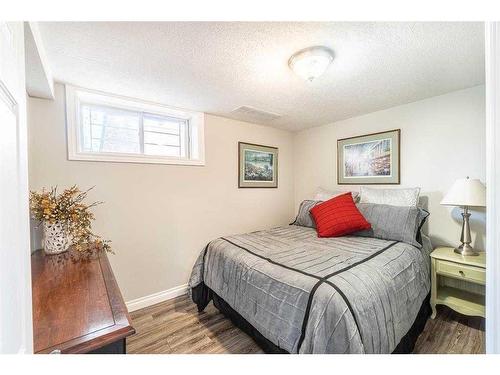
(433, 287)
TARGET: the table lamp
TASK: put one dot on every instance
(466, 193)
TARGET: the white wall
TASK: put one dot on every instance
(160, 217)
(442, 139)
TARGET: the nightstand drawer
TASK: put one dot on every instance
(460, 271)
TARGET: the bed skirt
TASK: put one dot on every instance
(202, 295)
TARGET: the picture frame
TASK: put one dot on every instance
(257, 166)
(370, 159)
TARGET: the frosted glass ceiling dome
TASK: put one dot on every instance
(312, 62)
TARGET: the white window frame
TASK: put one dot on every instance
(75, 96)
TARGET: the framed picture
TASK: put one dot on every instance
(258, 166)
(369, 159)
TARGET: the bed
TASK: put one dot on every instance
(297, 293)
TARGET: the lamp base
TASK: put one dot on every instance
(466, 250)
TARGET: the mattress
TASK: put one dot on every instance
(317, 295)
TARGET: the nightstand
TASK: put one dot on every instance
(458, 281)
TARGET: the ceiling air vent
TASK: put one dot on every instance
(255, 115)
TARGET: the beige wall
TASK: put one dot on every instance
(159, 217)
(442, 139)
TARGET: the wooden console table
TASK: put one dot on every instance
(77, 306)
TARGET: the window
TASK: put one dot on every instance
(109, 128)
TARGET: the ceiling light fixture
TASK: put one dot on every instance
(312, 62)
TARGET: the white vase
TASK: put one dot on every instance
(55, 238)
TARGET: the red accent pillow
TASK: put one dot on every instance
(338, 216)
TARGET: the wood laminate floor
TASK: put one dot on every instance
(175, 326)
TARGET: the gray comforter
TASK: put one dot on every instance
(319, 295)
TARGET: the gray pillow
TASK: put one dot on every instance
(304, 217)
(397, 223)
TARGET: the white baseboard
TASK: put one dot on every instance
(155, 298)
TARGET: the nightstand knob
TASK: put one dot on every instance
(461, 273)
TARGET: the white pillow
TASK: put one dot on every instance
(393, 197)
(324, 195)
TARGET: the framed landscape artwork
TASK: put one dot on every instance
(369, 159)
(258, 166)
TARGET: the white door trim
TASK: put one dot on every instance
(7, 97)
(492, 49)
(16, 325)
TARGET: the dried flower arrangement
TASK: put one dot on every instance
(68, 209)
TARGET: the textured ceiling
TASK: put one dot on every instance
(216, 67)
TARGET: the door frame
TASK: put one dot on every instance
(492, 60)
(13, 96)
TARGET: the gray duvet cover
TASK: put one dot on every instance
(319, 295)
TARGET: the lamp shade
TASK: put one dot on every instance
(466, 192)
